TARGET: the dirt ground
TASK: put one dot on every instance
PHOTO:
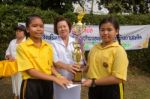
(136, 87)
(5, 89)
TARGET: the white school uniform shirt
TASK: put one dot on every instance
(11, 50)
(64, 54)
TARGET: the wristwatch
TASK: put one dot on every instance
(93, 83)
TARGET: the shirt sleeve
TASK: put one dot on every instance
(8, 49)
(51, 52)
(23, 60)
(120, 64)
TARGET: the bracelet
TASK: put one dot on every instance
(93, 83)
(58, 75)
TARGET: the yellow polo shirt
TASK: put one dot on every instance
(106, 61)
(31, 57)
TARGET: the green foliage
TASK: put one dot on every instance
(132, 19)
(140, 58)
(59, 6)
(71, 16)
(12, 14)
(115, 6)
(35, 3)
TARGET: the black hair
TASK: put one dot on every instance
(29, 19)
(58, 19)
(115, 24)
(21, 28)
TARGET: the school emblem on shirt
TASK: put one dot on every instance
(105, 64)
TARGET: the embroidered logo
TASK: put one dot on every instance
(105, 64)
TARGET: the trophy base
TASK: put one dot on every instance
(78, 77)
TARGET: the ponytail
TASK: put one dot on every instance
(118, 38)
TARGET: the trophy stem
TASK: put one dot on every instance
(78, 77)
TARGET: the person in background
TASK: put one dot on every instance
(11, 55)
(63, 49)
(35, 62)
(107, 64)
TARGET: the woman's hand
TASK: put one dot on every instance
(12, 59)
(9, 57)
(87, 83)
(73, 68)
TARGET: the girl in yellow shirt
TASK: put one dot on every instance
(107, 63)
(35, 61)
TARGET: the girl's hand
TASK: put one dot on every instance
(62, 81)
(84, 68)
(87, 83)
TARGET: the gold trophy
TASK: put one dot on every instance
(79, 27)
(78, 48)
(77, 57)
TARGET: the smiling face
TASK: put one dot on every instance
(108, 33)
(63, 29)
(36, 28)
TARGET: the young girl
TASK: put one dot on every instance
(35, 61)
(107, 63)
(11, 55)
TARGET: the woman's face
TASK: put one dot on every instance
(36, 28)
(63, 29)
(20, 34)
(108, 33)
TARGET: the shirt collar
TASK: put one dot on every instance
(60, 41)
(30, 42)
(114, 44)
(71, 39)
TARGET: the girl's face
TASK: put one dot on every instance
(63, 29)
(36, 28)
(108, 33)
(19, 34)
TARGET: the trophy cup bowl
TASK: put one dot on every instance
(77, 57)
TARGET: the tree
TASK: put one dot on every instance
(114, 6)
(80, 2)
(35, 3)
(60, 6)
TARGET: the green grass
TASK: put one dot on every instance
(137, 85)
